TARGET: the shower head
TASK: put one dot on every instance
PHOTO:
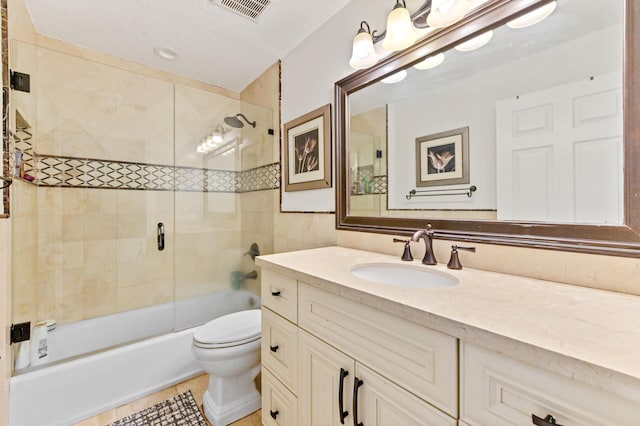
(234, 121)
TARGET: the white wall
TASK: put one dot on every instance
(308, 76)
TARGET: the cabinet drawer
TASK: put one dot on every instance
(279, 348)
(498, 390)
(279, 405)
(421, 360)
(280, 294)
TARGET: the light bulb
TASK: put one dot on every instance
(400, 33)
(446, 12)
(533, 17)
(395, 78)
(475, 43)
(430, 62)
(364, 54)
(209, 142)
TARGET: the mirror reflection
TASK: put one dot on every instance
(521, 123)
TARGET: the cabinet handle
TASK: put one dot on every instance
(343, 373)
(274, 414)
(274, 348)
(356, 385)
(549, 420)
(275, 293)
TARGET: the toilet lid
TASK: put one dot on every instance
(230, 330)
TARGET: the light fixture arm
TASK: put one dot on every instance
(419, 19)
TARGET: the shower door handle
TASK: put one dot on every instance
(160, 234)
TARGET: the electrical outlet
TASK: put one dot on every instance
(20, 332)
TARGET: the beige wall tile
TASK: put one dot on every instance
(100, 252)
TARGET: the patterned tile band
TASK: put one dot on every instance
(58, 171)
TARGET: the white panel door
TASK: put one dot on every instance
(559, 153)
(319, 383)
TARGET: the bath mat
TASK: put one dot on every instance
(180, 410)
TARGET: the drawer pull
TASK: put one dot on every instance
(274, 348)
(549, 420)
(343, 414)
(356, 385)
(274, 414)
(275, 293)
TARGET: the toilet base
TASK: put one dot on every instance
(229, 413)
(230, 398)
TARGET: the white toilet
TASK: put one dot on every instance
(228, 349)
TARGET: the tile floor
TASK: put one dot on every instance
(197, 385)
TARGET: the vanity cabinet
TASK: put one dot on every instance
(329, 353)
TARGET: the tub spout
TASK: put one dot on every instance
(250, 275)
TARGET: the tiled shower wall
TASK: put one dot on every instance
(84, 246)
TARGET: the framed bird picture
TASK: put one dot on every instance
(443, 158)
(307, 151)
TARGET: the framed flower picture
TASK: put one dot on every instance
(443, 158)
(307, 151)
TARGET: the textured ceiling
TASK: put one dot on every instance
(213, 44)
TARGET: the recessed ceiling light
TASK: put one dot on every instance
(166, 53)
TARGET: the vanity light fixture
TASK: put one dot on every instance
(218, 134)
(212, 141)
(395, 78)
(475, 43)
(430, 62)
(533, 17)
(364, 55)
(400, 33)
(446, 12)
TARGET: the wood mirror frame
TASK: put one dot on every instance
(617, 240)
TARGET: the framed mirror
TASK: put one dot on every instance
(528, 140)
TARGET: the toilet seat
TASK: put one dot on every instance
(234, 329)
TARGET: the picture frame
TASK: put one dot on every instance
(443, 158)
(307, 151)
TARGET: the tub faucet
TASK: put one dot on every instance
(427, 235)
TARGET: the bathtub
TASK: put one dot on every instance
(67, 391)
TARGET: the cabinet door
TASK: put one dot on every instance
(320, 382)
(381, 402)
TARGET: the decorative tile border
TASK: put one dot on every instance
(379, 185)
(379, 182)
(56, 171)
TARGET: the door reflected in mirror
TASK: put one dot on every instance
(543, 106)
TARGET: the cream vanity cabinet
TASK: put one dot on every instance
(329, 360)
(352, 361)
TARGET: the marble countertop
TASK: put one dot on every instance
(598, 328)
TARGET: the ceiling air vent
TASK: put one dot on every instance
(251, 9)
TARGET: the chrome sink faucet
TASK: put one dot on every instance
(427, 235)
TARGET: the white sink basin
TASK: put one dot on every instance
(406, 276)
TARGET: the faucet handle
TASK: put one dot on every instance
(454, 261)
(406, 255)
